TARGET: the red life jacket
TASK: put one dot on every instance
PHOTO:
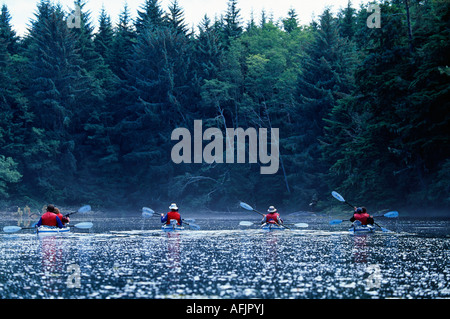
(362, 218)
(63, 219)
(49, 219)
(173, 215)
(272, 218)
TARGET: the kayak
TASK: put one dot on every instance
(358, 228)
(173, 226)
(51, 230)
(168, 228)
(272, 227)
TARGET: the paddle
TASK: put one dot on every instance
(83, 225)
(245, 223)
(301, 225)
(392, 214)
(190, 224)
(82, 210)
(13, 229)
(250, 208)
(341, 199)
(148, 212)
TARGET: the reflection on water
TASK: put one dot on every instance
(135, 259)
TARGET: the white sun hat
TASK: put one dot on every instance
(272, 209)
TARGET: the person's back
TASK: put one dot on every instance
(362, 215)
(172, 214)
(272, 217)
(64, 220)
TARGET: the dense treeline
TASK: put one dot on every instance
(86, 114)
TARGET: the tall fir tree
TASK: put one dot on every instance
(326, 77)
(290, 23)
(56, 83)
(6, 31)
(175, 18)
(232, 28)
(104, 36)
(151, 16)
(122, 46)
(347, 21)
(207, 50)
(14, 121)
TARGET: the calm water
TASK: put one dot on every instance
(132, 258)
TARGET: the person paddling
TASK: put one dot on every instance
(49, 218)
(173, 214)
(272, 217)
(65, 220)
(362, 215)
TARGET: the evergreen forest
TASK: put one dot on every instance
(87, 112)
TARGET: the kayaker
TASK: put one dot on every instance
(49, 218)
(272, 217)
(172, 214)
(65, 220)
(362, 215)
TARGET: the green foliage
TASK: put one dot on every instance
(8, 174)
(87, 116)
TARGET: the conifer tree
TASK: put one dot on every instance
(326, 77)
(60, 91)
(14, 119)
(208, 50)
(88, 117)
(347, 21)
(290, 23)
(6, 31)
(122, 46)
(151, 16)
(232, 22)
(104, 37)
(175, 18)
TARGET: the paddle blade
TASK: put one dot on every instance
(385, 230)
(338, 196)
(11, 229)
(336, 221)
(392, 214)
(301, 225)
(147, 212)
(245, 206)
(245, 223)
(84, 225)
(193, 226)
(85, 209)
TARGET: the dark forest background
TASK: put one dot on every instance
(86, 114)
